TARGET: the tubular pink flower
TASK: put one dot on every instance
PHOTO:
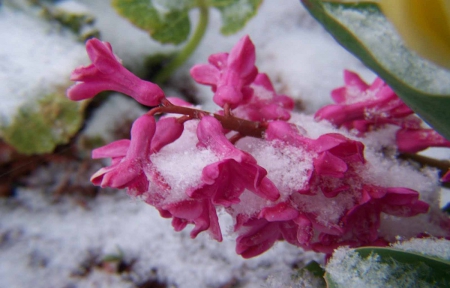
(333, 155)
(107, 73)
(337, 162)
(224, 181)
(265, 104)
(229, 75)
(281, 222)
(412, 141)
(127, 170)
(361, 223)
(130, 158)
(365, 107)
(200, 212)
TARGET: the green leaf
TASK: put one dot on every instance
(165, 21)
(235, 13)
(36, 130)
(388, 267)
(364, 31)
(315, 269)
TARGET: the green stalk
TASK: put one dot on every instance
(188, 49)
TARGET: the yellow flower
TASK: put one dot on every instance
(424, 26)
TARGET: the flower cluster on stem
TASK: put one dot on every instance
(230, 178)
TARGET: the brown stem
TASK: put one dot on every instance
(442, 165)
(229, 122)
(236, 137)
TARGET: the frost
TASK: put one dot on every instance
(348, 269)
(428, 246)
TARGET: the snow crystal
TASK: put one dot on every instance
(326, 210)
(182, 170)
(348, 269)
(181, 163)
(287, 167)
(428, 246)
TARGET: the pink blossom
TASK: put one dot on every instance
(334, 156)
(107, 73)
(200, 212)
(337, 162)
(126, 169)
(224, 181)
(363, 107)
(265, 104)
(415, 140)
(130, 158)
(361, 223)
(229, 75)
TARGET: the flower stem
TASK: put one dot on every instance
(229, 122)
(188, 49)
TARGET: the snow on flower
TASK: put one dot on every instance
(225, 180)
(302, 218)
(276, 181)
(366, 108)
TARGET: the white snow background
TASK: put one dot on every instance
(48, 245)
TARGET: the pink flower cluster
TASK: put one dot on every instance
(297, 215)
(366, 108)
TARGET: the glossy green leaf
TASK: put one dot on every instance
(235, 13)
(390, 267)
(364, 31)
(38, 129)
(165, 21)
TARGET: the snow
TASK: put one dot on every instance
(46, 244)
(428, 246)
(51, 242)
(36, 59)
(348, 269)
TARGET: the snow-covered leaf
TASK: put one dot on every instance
(36, 59)
(385, 267)
(364, 31)
(39, 127)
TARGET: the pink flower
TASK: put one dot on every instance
(361, 223)
(130, 158)
(107, 73)
(334, 156)
(200, 212)
(265, 104)
(229, 75)
(224, 181)
(363, 107)
(280, 222)
(336, 206)
(415, 140)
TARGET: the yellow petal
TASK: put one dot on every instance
(424, 25)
